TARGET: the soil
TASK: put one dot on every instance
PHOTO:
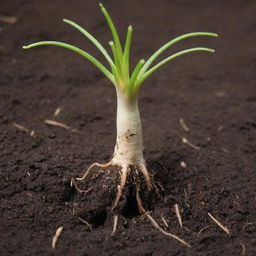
(214, 94)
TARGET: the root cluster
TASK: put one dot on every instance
(125, 171)
(134, 172)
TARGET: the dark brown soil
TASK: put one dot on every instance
(214, 94)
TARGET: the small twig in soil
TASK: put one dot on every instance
(114, 225)
(185, 141)
(165, 222)
(201, 230)
(177, 211)
(183, 125)
(225, 150)
(86, 223)
(156, 226)
(186, 198)
(57, 111)
(243, 249)
(224, 228)
(8, 19)
(56, 236)
(55, 123)
(22, 128)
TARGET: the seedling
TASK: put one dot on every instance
(128, 152)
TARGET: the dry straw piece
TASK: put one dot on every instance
(224, 228)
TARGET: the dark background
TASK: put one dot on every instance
(214, 93)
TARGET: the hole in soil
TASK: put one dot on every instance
(130, 209)
(98, 218)
(68, 193)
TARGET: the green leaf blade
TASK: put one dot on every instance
(170, 43)
(164, 61)
(75, 49)
(134, 76)
(126, 56)
(113, 30)
(92, 39)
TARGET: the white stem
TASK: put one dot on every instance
(129, 144)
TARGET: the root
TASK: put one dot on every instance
(79, 189)
(120, 187)
(91, 167)
(86, 223)
(156, 226)
(125, 170)
(145, 173)
(56, 237)
(114, 225)
(153, 222)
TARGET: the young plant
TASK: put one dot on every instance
(128, 152)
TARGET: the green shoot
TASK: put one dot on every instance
(86, 55)
(120, 76)
(146, 74)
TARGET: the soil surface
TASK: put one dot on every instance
(214, 94)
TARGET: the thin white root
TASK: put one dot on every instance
(91, 167)
(114, 225)
(224, 228)
(56, 236)
(54, 123)
(177, 211)
(57, 111)
(243, 249)
(165, 222)
(8, 19)
(183, 125)
(86, 223)
(20, 127)
(145, 173)
(185, 141)
(202, 229)
(153, 222)
(156, 226)
(186, 198)
(120, 187)
(138, 199)
(24, 129)
(79, 189)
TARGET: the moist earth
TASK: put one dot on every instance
(213, 94)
